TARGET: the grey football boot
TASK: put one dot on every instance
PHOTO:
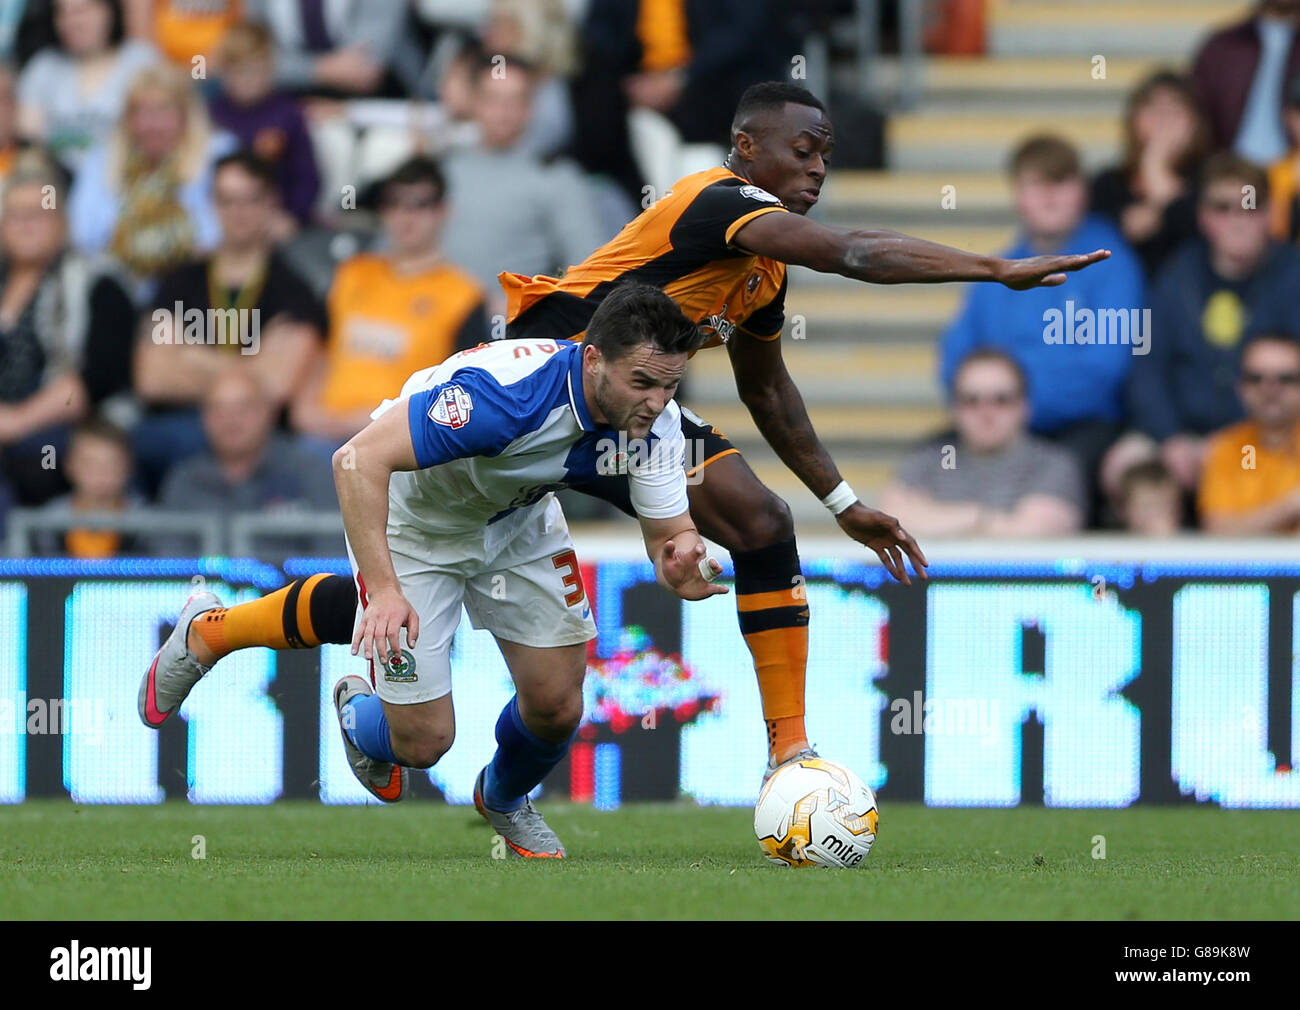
(524, 830)
(772, 766)
(175, 670)
(385, 781)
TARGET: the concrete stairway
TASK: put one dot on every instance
(867, 361)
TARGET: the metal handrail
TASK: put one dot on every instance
(246, 527)
(216, 533)
(911, 31)
(23, 522)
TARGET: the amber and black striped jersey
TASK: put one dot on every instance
(681, 244)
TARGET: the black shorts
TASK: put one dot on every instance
(704, 444)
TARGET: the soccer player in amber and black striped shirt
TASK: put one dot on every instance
(719, 243)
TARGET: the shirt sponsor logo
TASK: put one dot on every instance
(452, 408)
(758, 193)
(719, 324)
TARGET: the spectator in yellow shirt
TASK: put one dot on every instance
(1251, 479)
(391, 313)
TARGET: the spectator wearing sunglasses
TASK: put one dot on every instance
(993, 479)
(1229, 283)
(1251, 480)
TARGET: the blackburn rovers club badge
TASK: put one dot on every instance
(400, 669)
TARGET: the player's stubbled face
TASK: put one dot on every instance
(793, 156)
(630, 392)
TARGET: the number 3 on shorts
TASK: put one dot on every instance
(572, 580)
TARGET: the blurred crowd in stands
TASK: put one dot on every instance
(1183, 417)
(230, 228)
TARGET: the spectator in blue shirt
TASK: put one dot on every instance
(1075, 342)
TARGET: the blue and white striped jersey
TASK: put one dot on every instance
(498, 427)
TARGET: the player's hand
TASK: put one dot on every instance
(380, 632)
(883, 535)
(1044, 271)
(681, 570)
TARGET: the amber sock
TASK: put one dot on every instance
(772, 607)
(302, 615)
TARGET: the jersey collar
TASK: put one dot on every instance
(576, 398)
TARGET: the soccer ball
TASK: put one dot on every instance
(813, 812)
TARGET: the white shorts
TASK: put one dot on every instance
(526, 590)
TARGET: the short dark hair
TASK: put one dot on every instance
(258, 168)
(766, 97)
(1226, 166)
(991, 354)
(633, 314)
(100, 427)
(414, 171)
(1049, 155)
(1147, 473)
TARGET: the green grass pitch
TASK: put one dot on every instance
(301, 860)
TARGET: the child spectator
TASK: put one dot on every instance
(1150, 502)
(267, 122)
(98, 465)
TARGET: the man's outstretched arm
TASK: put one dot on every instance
(880, 256)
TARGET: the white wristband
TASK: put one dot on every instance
(840, 499)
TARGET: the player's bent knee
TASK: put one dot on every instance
(765, 522)
(421, 748)
(555, 718)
